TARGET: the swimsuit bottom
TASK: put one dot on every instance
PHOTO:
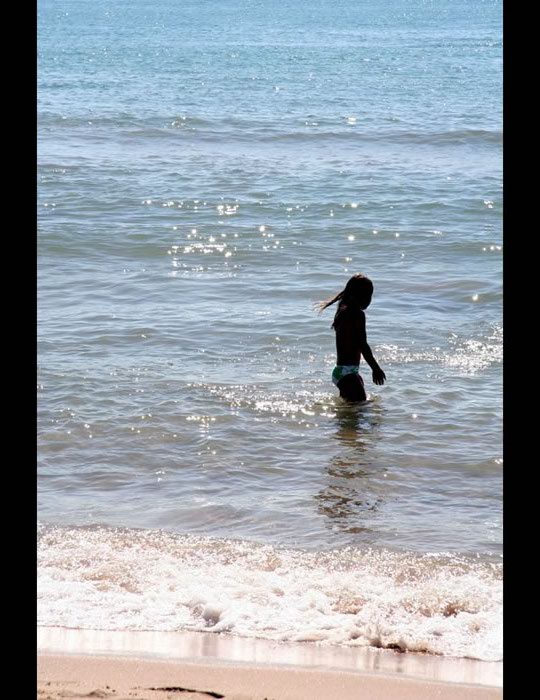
(341, 371)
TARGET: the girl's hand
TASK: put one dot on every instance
(379, 377)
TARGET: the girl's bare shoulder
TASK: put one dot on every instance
(349, 315)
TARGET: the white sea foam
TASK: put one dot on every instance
(120, 579)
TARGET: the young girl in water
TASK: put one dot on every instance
(351, 340)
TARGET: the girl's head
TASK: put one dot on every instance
(358, 291)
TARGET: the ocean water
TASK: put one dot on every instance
(207, 171)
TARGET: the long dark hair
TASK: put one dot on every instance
(357, 290)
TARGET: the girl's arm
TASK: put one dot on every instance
(378, 375)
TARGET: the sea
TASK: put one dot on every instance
(208, 170)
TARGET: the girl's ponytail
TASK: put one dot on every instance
(322, 305)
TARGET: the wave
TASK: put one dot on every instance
(123, 579)
(245, 129)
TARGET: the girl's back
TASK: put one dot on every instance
(348, 324)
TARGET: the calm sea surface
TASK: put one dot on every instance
(207, 170)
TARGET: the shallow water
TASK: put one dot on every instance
(209, 170)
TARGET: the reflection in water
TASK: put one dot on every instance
(350, 500)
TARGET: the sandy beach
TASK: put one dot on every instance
(148, 666)
(62, 676)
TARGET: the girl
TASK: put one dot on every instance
(351, 341)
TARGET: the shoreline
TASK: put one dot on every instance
(87, 661)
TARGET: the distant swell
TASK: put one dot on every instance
(120, 579)
(241, 129)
